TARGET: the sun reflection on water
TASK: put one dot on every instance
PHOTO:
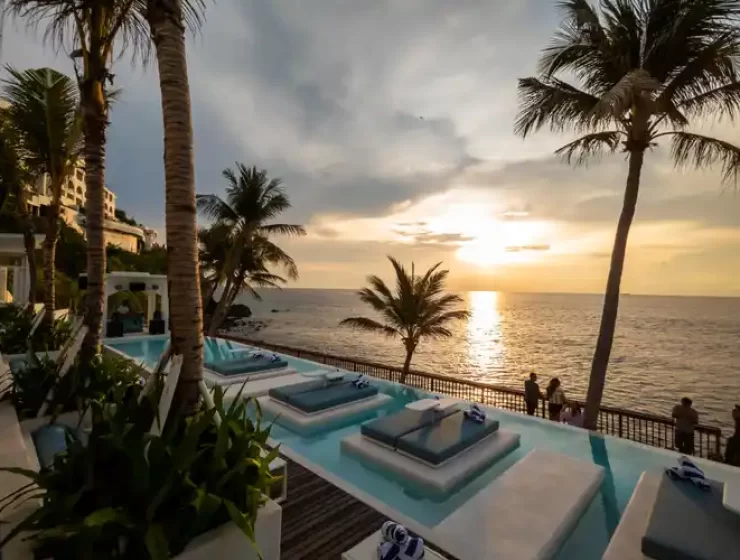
(485, 343)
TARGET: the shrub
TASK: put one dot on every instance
(128, 494)
(16, 324)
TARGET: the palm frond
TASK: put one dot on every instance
(374, 300)
(365, 324)
(700, 151)
(591, 146)
(622, 96)
(211, 206)
(552, 102)
(283, 229)
(720, 102)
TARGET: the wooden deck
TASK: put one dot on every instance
(320, 521)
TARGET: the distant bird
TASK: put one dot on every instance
(422, 118)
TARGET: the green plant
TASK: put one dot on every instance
(128, 494)
(84, 384)
(16, 325)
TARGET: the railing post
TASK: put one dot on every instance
(620, 424)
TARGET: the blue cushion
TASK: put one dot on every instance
(285, 393)
(388, 429)
(241, 366)
(688, 523)
(331, 396)
(445, 439)
(50, 440)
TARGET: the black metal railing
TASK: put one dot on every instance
(649, 429)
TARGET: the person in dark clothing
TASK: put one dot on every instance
(732, 451)
(686, 421)
(532, 394)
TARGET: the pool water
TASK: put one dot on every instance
(149, 349)
(623, 461)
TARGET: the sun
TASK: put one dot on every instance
(502, 242)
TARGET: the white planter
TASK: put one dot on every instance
(13, 357)
(229, 543)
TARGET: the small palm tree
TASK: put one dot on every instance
(252, 199)
(14, 180)
(44, 112)
(645, 69)
(418, 309)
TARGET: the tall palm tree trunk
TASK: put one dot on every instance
(29, 243)
(407, 362)
(611, 298)
(94, 127)
(183, 276)
(50, 247)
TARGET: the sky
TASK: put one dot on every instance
(391, 125)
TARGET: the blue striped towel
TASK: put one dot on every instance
(257, 355)
(361, 382)
(275, 358)
(397, 544)
(687, 470)
(476, 413)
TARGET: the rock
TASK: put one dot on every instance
(239, 311)
(274, 311)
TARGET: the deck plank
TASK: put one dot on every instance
(320, 521)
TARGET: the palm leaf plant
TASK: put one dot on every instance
(252, 200)
(418, 308)
(627, 76)
(44, 113)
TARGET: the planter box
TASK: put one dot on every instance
(229, 543)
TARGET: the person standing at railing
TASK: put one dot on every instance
(532, 394)
(686, 421)
(732, 451)
(555, 399)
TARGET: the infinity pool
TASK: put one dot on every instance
(148, 349)
(623, 461)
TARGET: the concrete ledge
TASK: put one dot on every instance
(440, 479)
(526, 513)
(626, 543)
(229, 543)
(310, 423)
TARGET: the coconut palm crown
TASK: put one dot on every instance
(625, 77)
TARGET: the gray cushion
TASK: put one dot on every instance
(688, 523)
(331, 396)
(50, 440)
(244, 365)
(284, 394)
(445, 439)
(388, 429)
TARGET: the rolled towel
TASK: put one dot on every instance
(476, 413)
(397, 544)
(257, 355)
(687, 470)
(361, 382)
(275, 358)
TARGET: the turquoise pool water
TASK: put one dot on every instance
(624, 462)
(149, 349)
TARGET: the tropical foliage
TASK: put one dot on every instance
(419, 308)
(44, 114)
(236, 250)
(626, 77)
(16, 323)
(136, 495)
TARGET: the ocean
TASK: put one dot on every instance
(665, 347)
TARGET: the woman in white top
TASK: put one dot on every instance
(555, 399)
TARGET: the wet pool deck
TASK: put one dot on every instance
(320, 521)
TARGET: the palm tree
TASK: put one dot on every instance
(418, 309)
(44, 112)
(93, 28)
(251, 200)
(643, 71)
(168, 21)
(14, 180)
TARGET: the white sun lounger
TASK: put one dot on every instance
(526, 513)
(307, 422)
(626, 543)
(731, 496)
(439, 478)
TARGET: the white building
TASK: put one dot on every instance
(74, 194)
